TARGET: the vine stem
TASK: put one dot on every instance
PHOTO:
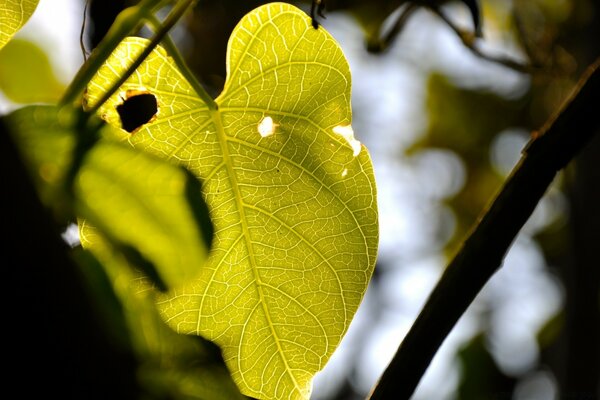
(183, 68)
(128, 21)
(468, 39)
(175, 15)
(481, 255)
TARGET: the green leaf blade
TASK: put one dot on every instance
(142, 201)
(291, 193)
(13, 15)
(133, 198)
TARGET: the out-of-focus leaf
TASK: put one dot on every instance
(13, 15)
(480, 376)
(108, 304)
(290, 190)
(135, 198)
(45, 137)
(147, 203)
(172, 365)
(26, 75)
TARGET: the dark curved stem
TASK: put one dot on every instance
(176, 13)
(481, 255)
(379, 45)
(469, 41)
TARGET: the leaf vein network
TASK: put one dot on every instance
(311, 246)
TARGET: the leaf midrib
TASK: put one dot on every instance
(216, 118)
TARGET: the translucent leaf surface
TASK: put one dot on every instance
(13, 15)
(290, 190)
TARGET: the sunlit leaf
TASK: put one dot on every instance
(26, 75)
(13, 15)
(290, 190)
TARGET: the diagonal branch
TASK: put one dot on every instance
(549, 151)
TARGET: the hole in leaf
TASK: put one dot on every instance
(266, 127)
(137, 109)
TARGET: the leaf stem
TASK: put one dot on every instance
(469, 39)
(171, 48)
(558, 142)
(128, 21)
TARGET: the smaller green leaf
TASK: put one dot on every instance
(172, 365)
(135, 199)
(114, 175)
(13, 15)
(46, 142)
(26, 75)
(147, 203)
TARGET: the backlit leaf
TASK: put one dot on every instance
(290, 190)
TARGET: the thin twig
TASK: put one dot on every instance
(172, 50)
(481, 255)
(128, 21)
(469, 40)
(380, 45)
(82, 32)
(176, 13)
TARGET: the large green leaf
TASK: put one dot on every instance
(291, 193)
(13, 15)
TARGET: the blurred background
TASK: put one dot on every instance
(445, 118)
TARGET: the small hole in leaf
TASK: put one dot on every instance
(267, 127)
(137, 109)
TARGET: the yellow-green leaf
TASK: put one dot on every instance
(172, 365)
(290, 190)
(13, 15)
(136, 200)
(26, 75)
(147, 204)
